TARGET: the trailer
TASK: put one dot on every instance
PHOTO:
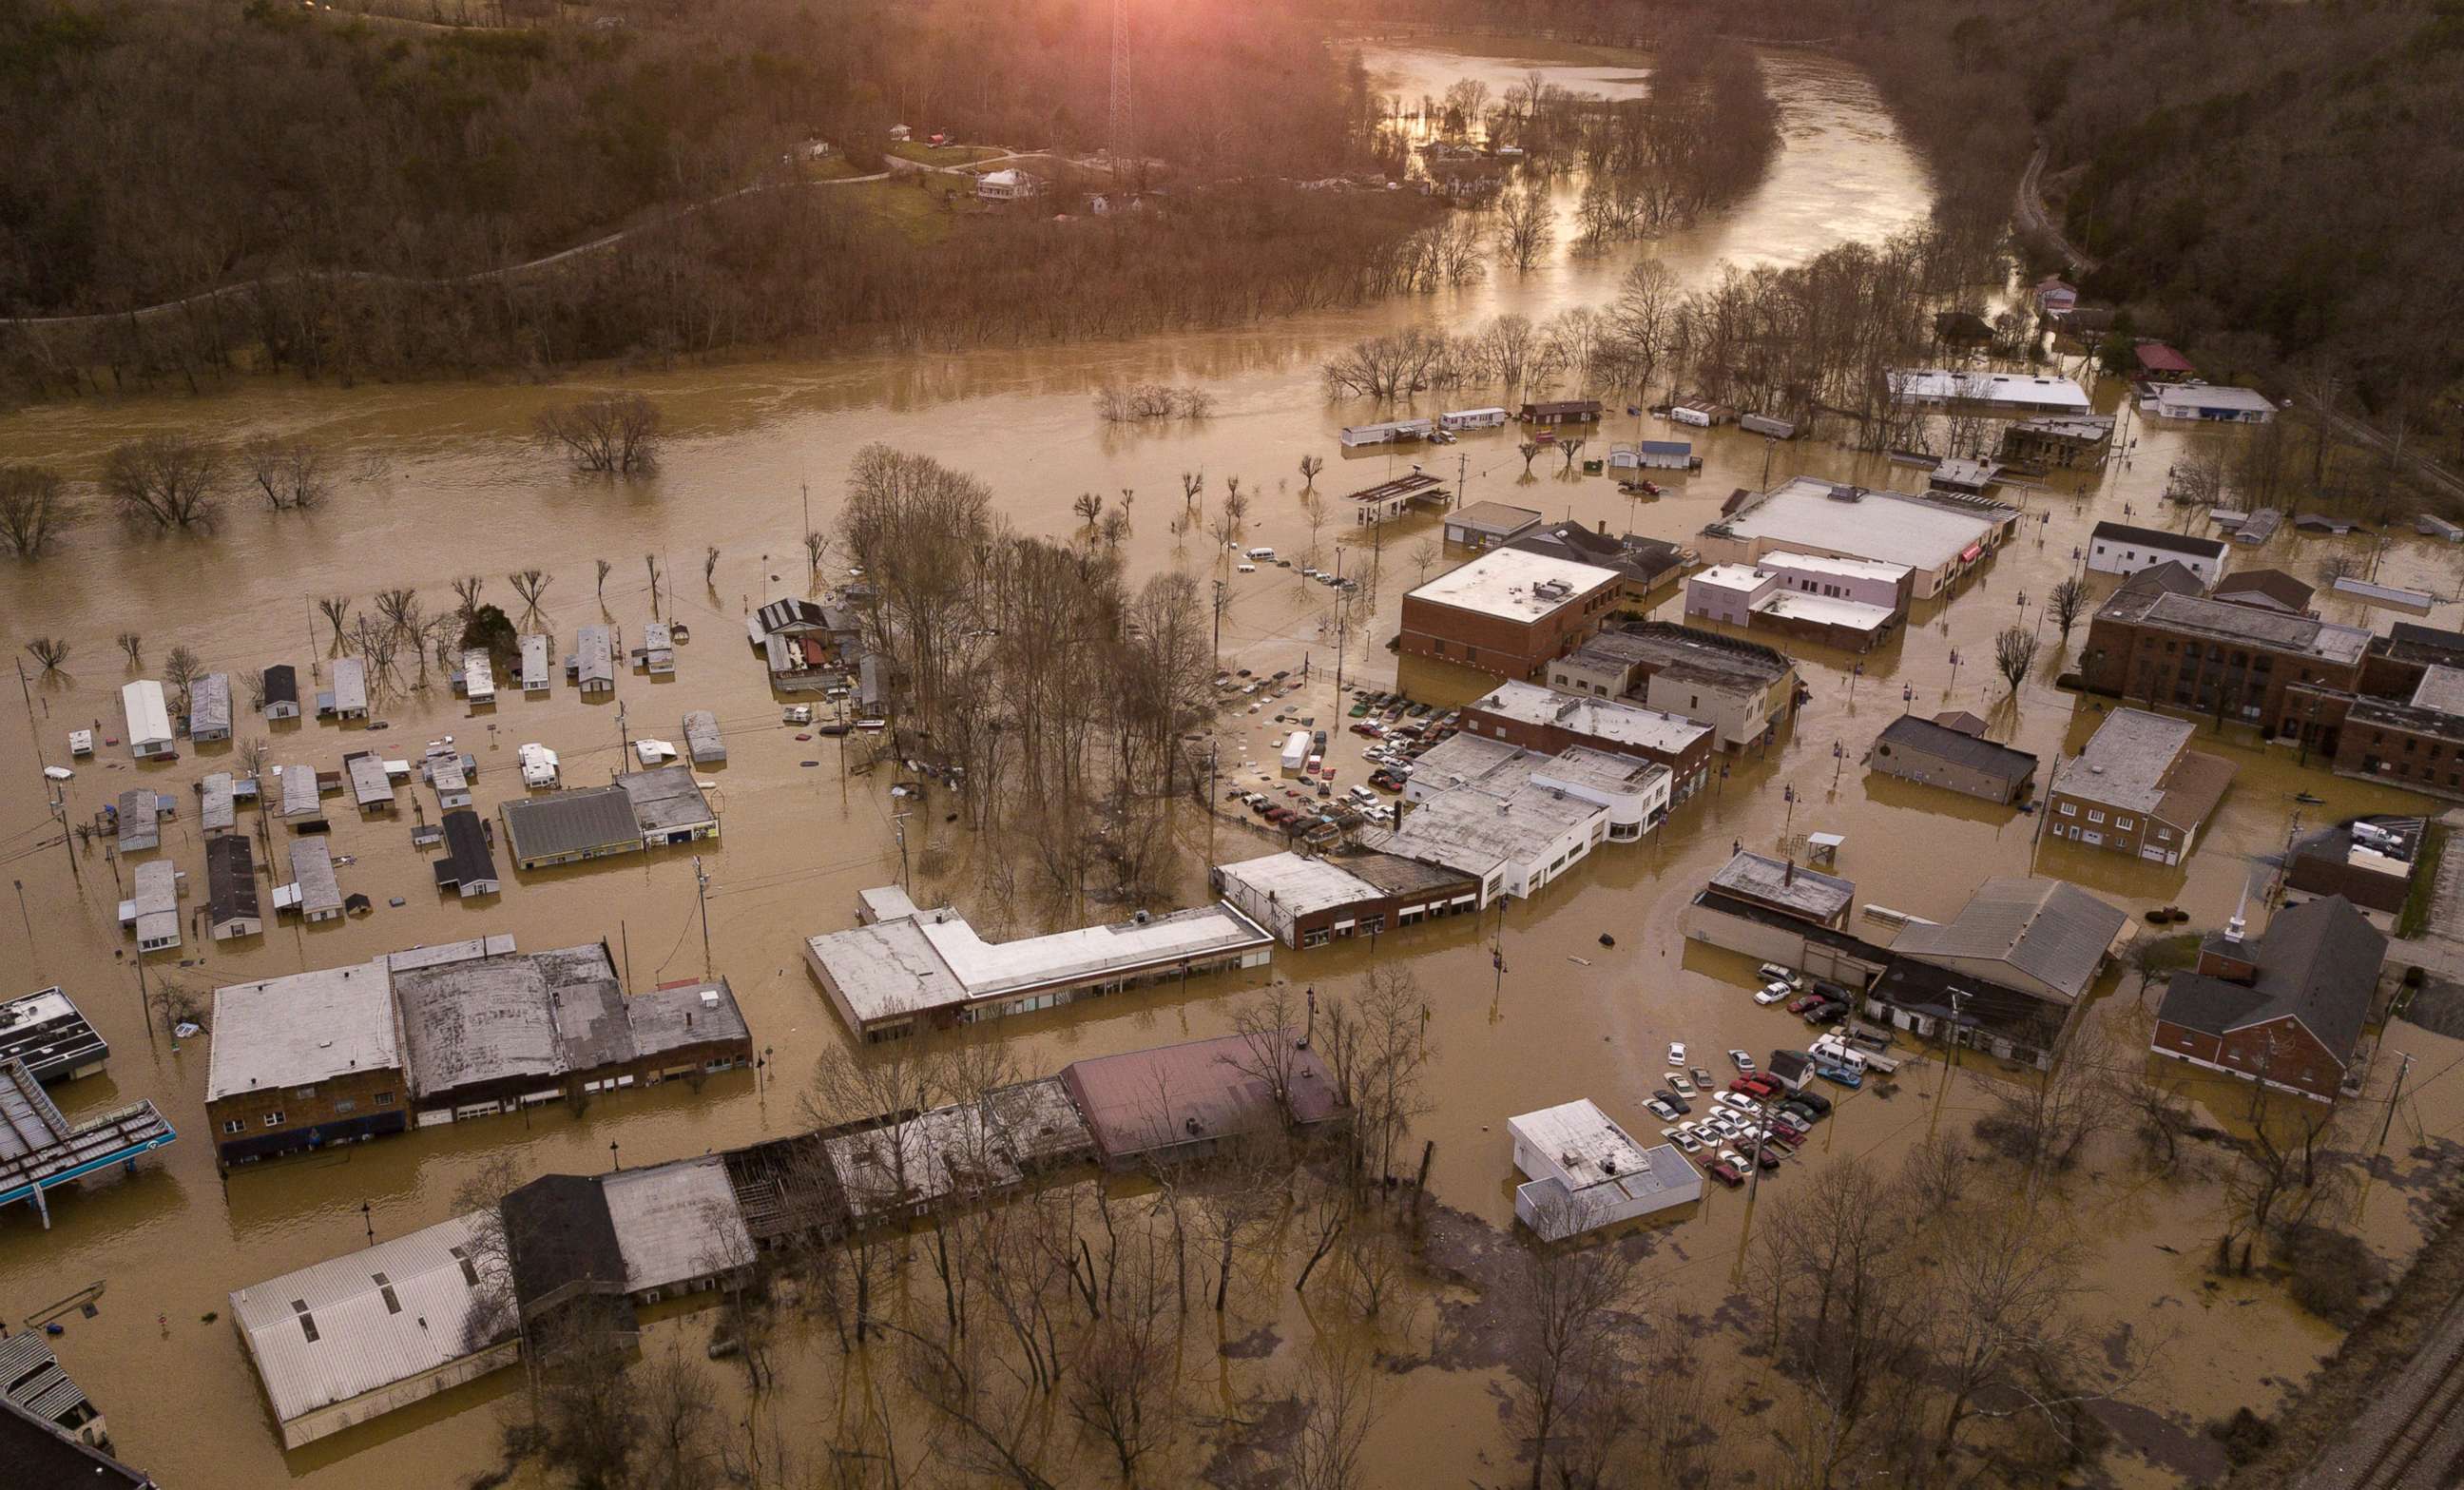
(1296, 752)
(1393, 432)
(1473, 419)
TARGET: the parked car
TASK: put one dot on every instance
(1662, 1110)
(1738, 1101)
(1702, 1078)
(1840, 1076)
(1726, 1173)
(1816, 1101)
(1772, 993)
(1677, 1052)
(1835, 991)
(1761, 1087)
(1778, 1139)
(1681, 1139)
(1765, 1157)
(1682, 1105)
(1798, 1005)
(1825, 1012)
(1684, 1088)
(1742, 1061)
(1773, 973)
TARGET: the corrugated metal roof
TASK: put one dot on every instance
(365, 1338)
(570, 822)
(2056, 933)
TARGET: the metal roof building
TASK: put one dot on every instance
(668, 804)
(345, 1340)
(141, 820)
(536, 675)
(231, 888)
(371, 786)
(702, 741)
(215, 813)
(301, 1029)
(318, 896)
(2039, 935)
(1920, 749)
(1179, 1102)
(1587, 1172)
(300, 803)
(56, 1042)
(593, 663)
(209, 709)
(567, 827)
(153, 907)
(41, 1150)
(478, 676)
(149, 722)
(32, 1381)
(350, 690)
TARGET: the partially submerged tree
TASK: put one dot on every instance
(1526, 225)
(134, 645)
(290, 472)
(2014, 651)
(180, 669)
(169, 480)
(1310, 466)
(612, 434)
(31, 510)
(336, 612)
(2067, 603)
(49, 651)
(530, 584)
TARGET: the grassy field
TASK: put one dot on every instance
(914, 209)
(943, 154)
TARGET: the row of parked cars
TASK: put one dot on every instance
(1755, 1121)
(1823, 1003)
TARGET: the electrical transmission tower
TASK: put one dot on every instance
(1120, 130)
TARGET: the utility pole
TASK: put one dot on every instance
(701, 890)
(624, 742)
(898, 822)
(1219, 626)
(25, 689)
(1340, 610)
(2389, 1121)
(1462, 475)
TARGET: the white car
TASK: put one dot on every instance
(1738, 1101)
(1684, 1087)
(1772, 992)
(1660, 1109)
(1681, 1139)
(1742, 1061)
(1773, 973)
(1677, 1052)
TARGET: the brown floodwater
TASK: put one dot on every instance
(444, 483)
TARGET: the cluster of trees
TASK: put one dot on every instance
(1820, 337)
(362, 182)
(1074, 1332)
(1145, 400)
(1053, 685)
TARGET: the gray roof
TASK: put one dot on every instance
(2173, 575)
(305, 1028)
(311, 870)
(350, 684)
(2125, 760)
(230, 878)
(1923, 736)
(2229, 623)
(210, 703)
(568, 822)
(1397, 875)
(1690, 653)
(676, 1222)
(1493, 517)
(282, 683)
(527, 1015)
(685, 1015)
(665, 800)
(2055, 933)
(2319, 963)
(141, 819)
(702, 740)
(467, 859)
(1758, 877)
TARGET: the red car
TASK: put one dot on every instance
(1798, 1005)
(1726, 1173)
(1758, 1086)
(1740, 1086)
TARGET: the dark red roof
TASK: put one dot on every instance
(2157, 357)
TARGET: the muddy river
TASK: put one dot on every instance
(444, 483)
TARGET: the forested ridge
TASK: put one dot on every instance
(2274, 186)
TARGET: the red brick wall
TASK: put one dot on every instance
(1505, 647)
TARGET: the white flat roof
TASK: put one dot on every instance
(2012, 389)
(2212, 395)
(1504, 581)
(1745, 577)
(1301, 884)
(364, 1342)
(676, 1222)
(1827, 563)
(148, 720)
(1587, 1147)
(933, 959)
(1611, 720)
(1894, 527)
(2441, 688)
(303, 1028)
(1827, 610)
(350, 684)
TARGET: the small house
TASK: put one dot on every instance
(478, 677)
(302, 808)
(1010, 185)
(349, 696)
(656, 656)
(2207, 401)
(1665, 454)
(281, 692)
(371, 788)
(535, 671)
(216, 803)
(1490, 419)
(2159, 363)
(2286, 1009)
(592, 666)
(2122, 548)
(539, 766)
(1769, 426)
(209, 709)
(153, 908)
(312, 892)
(141, 820)
(448, 770)
(702, 741)
(149, 720)
(231, 888)
(1550, 413)
(1586, 1172)
(468, 869)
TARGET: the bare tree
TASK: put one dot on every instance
(1576, 1308)
(1526, 225)
(2014, 651)
(1530, 451)
(709, 567)
(49, 651)
(291, 471)
(1310, 466)
(530, 584)
(180, 669)
(817, 549)
(1424, 555)
(1569, 449)
(604, 566)
(1089, 506)
(31, 512)
(2067, 603)
(336, 610)
(466, 591)
(170, 480)
(1336, 1390)
(650, 562)
(2340, 564)
(133, 644)
(1193, 486)
(613, 434)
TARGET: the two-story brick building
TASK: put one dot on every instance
(2138, 788)
(1507, 612)
(1540, 719)
(2416, 742)
(1743, 690)
(2287, 1009)
(305, 1062)
(2289, 675)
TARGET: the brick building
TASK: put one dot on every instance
(1308, 902)
(2416, 742)
(1507, 612)
(2286, 1009)
(1742, 689)
(305, 1062)
(2138, 788)
(2289, 675)
(1542, 719)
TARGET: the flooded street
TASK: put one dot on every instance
(446, 483)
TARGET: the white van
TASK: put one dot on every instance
(1262, 554)
(1831, 1050)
